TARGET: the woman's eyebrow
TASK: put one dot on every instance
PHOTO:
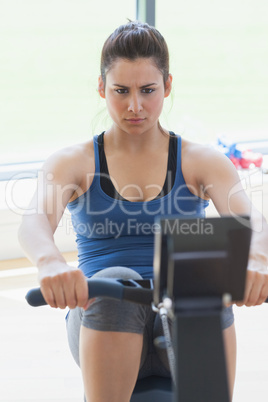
(148, 85)
(143, 86)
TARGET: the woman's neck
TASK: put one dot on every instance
(150, 140)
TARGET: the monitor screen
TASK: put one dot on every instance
(201, 257)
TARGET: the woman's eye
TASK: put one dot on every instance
(121, 91)
(147, 90)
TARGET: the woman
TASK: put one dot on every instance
(115, 185)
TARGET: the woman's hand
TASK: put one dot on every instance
(256, 290)
(63, 286)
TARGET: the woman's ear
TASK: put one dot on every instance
(168, 85)
(101, 87)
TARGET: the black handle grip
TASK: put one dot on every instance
(140, 292)
(35, 298)
(128, 290)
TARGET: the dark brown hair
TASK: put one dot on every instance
(132, 41)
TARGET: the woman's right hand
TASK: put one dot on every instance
(63, 286)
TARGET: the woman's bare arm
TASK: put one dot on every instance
(58, 181)
(220, 181)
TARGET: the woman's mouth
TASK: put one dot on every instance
(136, 120)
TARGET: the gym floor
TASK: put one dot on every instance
(36, 364)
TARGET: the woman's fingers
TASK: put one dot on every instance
(81, 289)
(66, 289)
(256, 291)
(60, 297)
(76, 289)
(48, 295)
(52, 291)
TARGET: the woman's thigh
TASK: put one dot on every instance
(109, 315)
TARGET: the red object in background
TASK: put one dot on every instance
(236, 161)
(241, 158)
(250, 158)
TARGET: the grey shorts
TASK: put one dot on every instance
(113, 315)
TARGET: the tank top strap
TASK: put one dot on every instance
(96, 154)
(179, 179)
(178, 152)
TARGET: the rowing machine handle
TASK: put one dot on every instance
(128, 290)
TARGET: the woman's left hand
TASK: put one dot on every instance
(256, 290)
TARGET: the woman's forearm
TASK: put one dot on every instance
(37, 241)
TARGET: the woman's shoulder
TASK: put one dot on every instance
(203, 165)
(72, 162)
(196, 153)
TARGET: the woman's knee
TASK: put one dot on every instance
(73, 325)
(105, 314)
(118, 272)
(108, 314)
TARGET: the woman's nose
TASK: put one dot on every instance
(135, 104)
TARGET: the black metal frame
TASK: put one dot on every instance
(195, 270)
(200, 360)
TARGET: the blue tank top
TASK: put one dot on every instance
(113, 232)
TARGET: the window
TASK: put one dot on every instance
(219, 60)
(49, 67)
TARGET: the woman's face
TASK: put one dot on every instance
(134, 93)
